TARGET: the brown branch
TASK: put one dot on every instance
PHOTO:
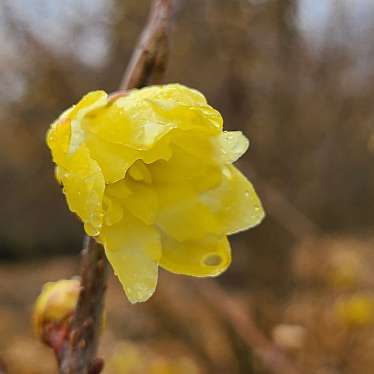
(78, 355)
(150, 56)
(284, 212)
(2, 367)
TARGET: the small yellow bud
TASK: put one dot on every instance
(55, 304)
(357, 310)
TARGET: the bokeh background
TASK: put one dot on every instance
(297, 77)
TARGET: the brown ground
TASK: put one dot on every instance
(325, 324)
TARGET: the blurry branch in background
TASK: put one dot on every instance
(284, 212)
(78, 354)
(215, 309)
(242, 323)
(2, 367)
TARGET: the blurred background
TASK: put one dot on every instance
(297, 77)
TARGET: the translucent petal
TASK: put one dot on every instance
(201, 258)
(234, 203)
(202, 118)
(93, 100)
(59, 172)
(114, 159)
(197, 145)
(178, 183)
(119, 190)
(173, 105)
(135, 126)
(230, 145)
(139, 172)
(230, 207)
(133, 249)
(113, 210)
(160, 151)
(185, 168)
(84, 188)
(171, 92)
(142, 202)
(58, 139)
(182, 216)
(225, 148)
(90, 102)
(139, 198)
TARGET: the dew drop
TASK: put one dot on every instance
(212, 259)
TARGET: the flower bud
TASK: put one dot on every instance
(358, 310)
(55, 304)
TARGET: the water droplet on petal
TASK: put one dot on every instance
(212, 259)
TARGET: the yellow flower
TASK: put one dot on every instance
(150, 174)
(55, 303)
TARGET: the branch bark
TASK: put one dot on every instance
(150, 57)
(78, 354)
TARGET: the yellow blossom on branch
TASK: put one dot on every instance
(56, 303)
(150, 174)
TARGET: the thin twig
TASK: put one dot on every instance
(150, 56)
(78, 356)
(284, 212)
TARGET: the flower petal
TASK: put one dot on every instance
(201, 118)
(171, 92)
(178, 183)
(89, 102)
(185, 168)
(230, 207)
(172, 105)
(140, 199)
(135, 127)
(84, 189)
(113, 210)
(133, 249)
(207, 257)
(230, 146)
(182, 216)
(58, 139)
(234, 202)
(114, 159)
(142, 202)
(225, 148)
